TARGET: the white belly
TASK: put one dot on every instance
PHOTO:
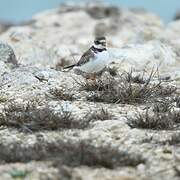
(97, 64)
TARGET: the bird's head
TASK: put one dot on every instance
(100, 43)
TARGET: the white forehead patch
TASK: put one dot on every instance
(103, 40)
(99, 46)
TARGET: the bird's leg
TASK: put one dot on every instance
(91, 76)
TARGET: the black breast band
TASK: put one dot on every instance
(96, 50)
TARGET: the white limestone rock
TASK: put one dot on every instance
(141, 56)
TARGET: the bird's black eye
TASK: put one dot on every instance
(96, 42)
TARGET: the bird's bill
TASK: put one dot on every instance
(103, 43)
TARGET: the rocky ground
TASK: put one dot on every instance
(56, 125)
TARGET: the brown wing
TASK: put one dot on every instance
(85, 57)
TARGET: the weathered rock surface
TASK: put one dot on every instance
(86, 145)
(7, 55)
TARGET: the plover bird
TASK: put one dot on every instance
(94, 60)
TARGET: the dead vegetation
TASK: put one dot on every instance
(126, 89)
(102, 156)
(174, 139)
(176, 100)
(30, 118)
(139, 78)
(113, 71)
(165, 90)
(163, 114)
(61, 94)
(157, 120)
(100, 114)
(72, 153)
(162, 106)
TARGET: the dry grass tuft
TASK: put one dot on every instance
(162, 106)
(100, 114)
(126, 89)
(176, 100)
(61, 94)
(112, 71)
(31, 118)
(156, 120)
(102, 156)
(72, 153)
(174, 139)
(120, 90)
(139, 79)
(166, 90)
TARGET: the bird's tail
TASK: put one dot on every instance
(69, 67)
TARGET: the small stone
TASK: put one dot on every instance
(42, 75)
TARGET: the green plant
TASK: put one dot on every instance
(18, 174)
